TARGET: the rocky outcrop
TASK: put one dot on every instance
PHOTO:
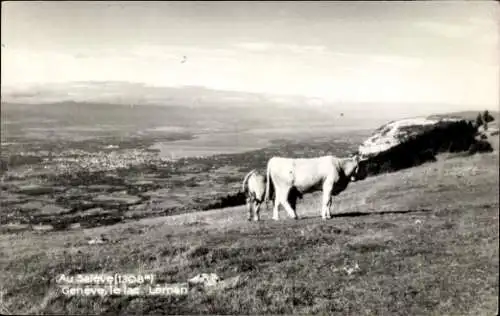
(409, 142)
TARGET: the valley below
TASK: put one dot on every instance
(100, 174)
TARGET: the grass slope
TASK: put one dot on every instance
(425, 239)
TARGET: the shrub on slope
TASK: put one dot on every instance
(411, 142)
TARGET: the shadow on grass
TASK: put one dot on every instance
(356, 214)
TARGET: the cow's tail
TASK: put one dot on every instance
(244, 185)
(269, 184)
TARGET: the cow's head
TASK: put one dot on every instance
(355, 167)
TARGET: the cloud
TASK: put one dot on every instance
(281, 48)
(450, 30)
(305, 49)
(468, 28)
(483, 22)
(285, 69)
(151, 64)
(255, 46)
(398, 61)
(176, 51)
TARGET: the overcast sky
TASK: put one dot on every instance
(427, 52)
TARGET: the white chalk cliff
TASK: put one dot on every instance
(396, 132)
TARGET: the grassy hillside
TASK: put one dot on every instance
(425, 240)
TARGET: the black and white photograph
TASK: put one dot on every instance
(249, 158)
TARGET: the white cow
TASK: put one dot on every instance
(254, 187)
(304, 175)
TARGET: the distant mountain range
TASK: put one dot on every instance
(136, 94)
(116, 92)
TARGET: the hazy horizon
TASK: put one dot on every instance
(326, 53)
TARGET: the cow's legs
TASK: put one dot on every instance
(329, 208)
(256, 209)
(283, 197)
(277, 202)
(292, 198)
(290, 210)
(275, 210)
(249, 208)
(326, 201)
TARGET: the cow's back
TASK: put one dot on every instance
(281, 169)
(302, 172)
(311, 172)
(319, 164)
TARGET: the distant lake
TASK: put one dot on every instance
(211, 144)
(207, 144)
